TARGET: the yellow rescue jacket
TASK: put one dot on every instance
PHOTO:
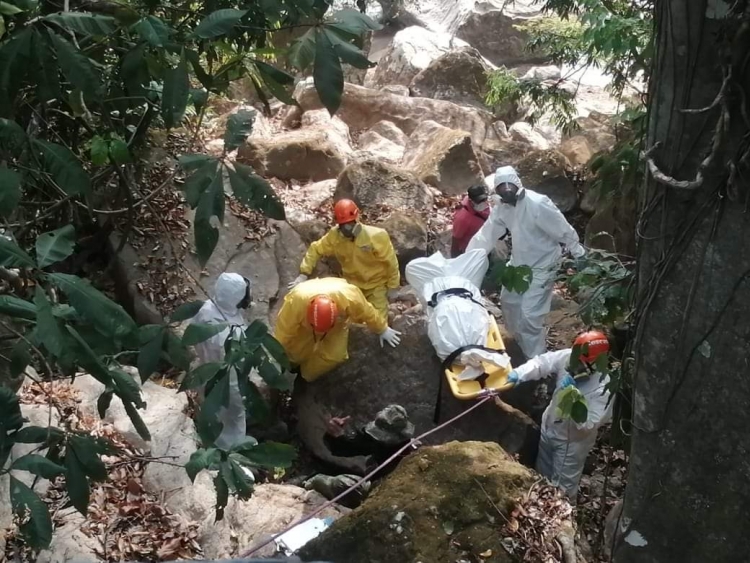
(368, 261)
(317, 354)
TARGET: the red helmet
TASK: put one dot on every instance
(321, 313)
(596, 344)
(345, 211)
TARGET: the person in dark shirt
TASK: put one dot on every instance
(469, 218)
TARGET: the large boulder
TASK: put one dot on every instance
(443, 158)
(612, 228)
(493, 29)
(545, 172)
(443, 503)
(313, 153)
(526, 133)
(458, 76)
(374, 145)
(504, 153)
(598, 130)
(412, 50)
(373, 183)
(361, 108)
(408, 375)
(577, 150)
(390, 131)
(409, 236)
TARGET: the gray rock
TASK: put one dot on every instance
(409, 236)
(459, 76)
(545, 173)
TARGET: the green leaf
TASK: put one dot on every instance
(134, 70)
(88, 359)
(11, 255)
(119, 151)
(276, 378)
(46, 72)
(199, 98)
(198, 332)
(38, 435)
(17, 308)
(302, 51)
(76, 482)
(276, 350)
(153, 30)
(137, 421)
(349, 53)
(201, 375)
(175, 95)
(105, 315)
(55, 246)
(239, 126)
(37, 529)
(7, 9)
(243, 482)
(64, 168)
(271, 455)
(200, 460)
(197, 184)
(38, 465)
(222, 496)
(579, 412)
(277, 82)
(86, 24)
(99, 151)
(218, 23)
(77, 68)
(10, 191)
(48, 329)
(103, 402)
(186, 311)
(20, 358)
(12, 136)
(327, 74)
(151, 341)
(353, 22)
(127, 388)
(86, 450)
(255, 192)
(276, 74)
(193, 162)
(211, 204)
(176, 352)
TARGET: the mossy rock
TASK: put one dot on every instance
(434, 508)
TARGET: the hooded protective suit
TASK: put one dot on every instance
(538, 229)
(565, 444)
(368, 261)
(318, 354)
(228, 292)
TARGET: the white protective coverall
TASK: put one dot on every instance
(537, 228)
(228, 292)
(565, 444)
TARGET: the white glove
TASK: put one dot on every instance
(393, 293)
(298, 280)
(390, 336)
(577, 251)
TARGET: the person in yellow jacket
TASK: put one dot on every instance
(313, 324)
(365, 253)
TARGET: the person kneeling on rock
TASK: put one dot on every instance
(313, 324)
(365, 253)
(564, 443)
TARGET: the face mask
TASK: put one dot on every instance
(247, 301)
(508, 194)
(480, 206)
(349, 230)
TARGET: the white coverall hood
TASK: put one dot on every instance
(565, 444)
(228, 293)
(537, 228)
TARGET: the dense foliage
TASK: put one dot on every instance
(82, 84)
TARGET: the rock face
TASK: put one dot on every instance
(598, 130)
(389, 131)
(431, 509)
(412, 50)
(526, 133)
(458, 76)
(361, 108)
(443, 158)
(577, 150)
(371, 183)
(504, 153)
(374, 145)
(316, 153)
(375, 377)
(612, 228)
(409, 237)
(545, 173)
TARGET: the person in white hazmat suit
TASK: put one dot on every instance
(232, 293)
(565, 444)
(538, 229)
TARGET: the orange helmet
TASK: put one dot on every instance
(321, 313)
(345, 211)
(596, 344)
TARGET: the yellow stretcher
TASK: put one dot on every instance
(496, 377)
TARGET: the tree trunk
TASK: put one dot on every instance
(689, 485)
